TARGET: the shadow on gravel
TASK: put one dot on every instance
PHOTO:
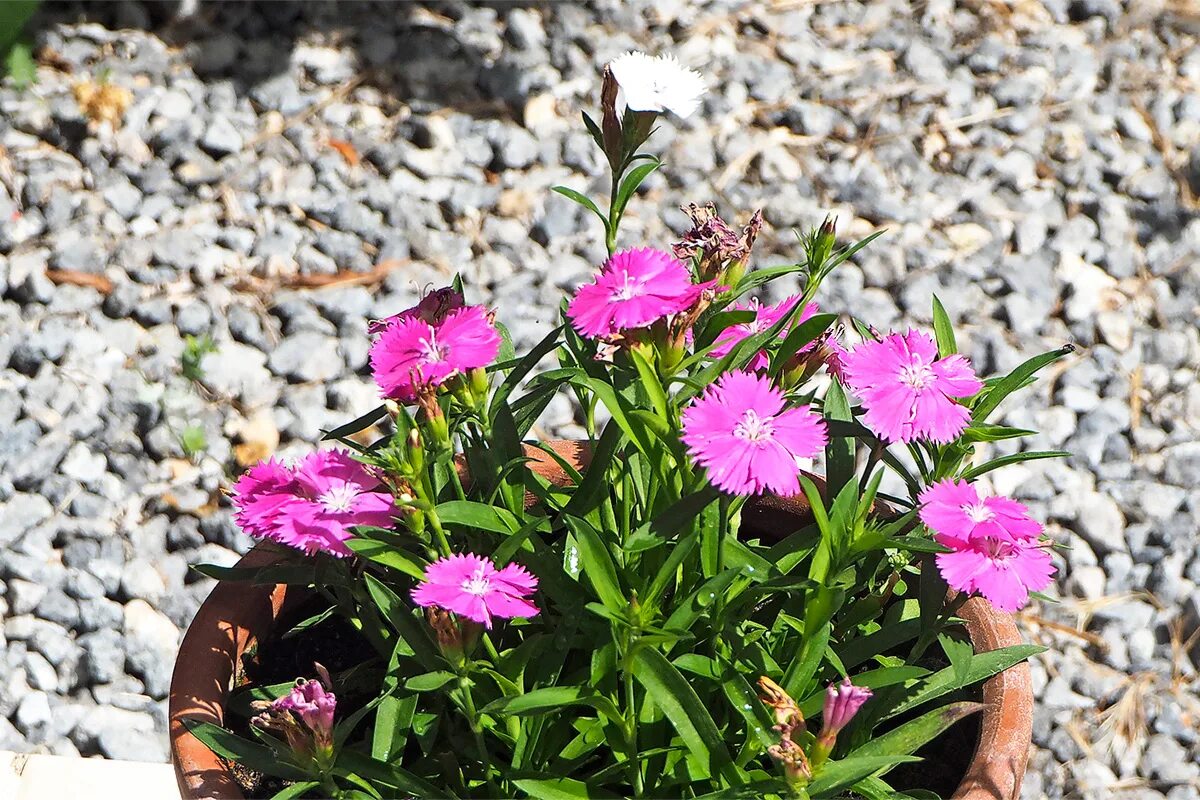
(409, 51)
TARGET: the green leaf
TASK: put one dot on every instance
(1012, 458)
(295, 790)
(480, 516)
(914, 734)
(290, 574)
(356, 426)
(631, 183)
(673, 694)
(1014, 380)
(943, 331)
(959, 652)
(993, 433)
(400, 614)
(584, 201)
(523, 367)
(251, 754)
(390, 776)
(388, 555)
(838, 774)
(839, 452)
(429, 681)
(983, 665)
(393, 718)
(597, 564)
(559, 789)
(554, 698)
(799, 336)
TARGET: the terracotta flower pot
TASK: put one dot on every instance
(236, 615)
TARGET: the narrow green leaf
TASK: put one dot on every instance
(356, 426)
(554, 698)
(914, 734)
(389, 776)
(429, 681)
(983, 665)
(1012, 458)
(584, 201)
(597, 565)
(679, 702)
(1014, 380)
(630, 184)
(251, 754)
(836, 775)
(481, 516)
(295, 790)
(560, 789)
(388, 555)
(943, 331)
(400, 614)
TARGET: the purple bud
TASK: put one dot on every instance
(842, 702)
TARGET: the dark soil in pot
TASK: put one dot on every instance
(280, 659)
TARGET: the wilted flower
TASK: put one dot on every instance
(995, 544)
(311, 506)
(787, 712)
(413, 355)
(788, 720)
(634, 289)
(657, 84)
(764, 318)
(741, 431)
(714, 243)
(908, 392)
(432, 309)
(472, 587)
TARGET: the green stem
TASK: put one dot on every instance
(635, 767)
(610, 239)
(477, 732)
(439, 534)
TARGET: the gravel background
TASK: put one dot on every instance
(1036, 164)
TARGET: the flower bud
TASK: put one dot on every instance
(610, 122)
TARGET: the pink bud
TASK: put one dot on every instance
(842, 702)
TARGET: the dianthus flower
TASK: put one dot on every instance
(413, 354)
(741, 431)
(634, 289)
(995, 546)
(472, 587)
(311, 506)
(657, 84)
(908, 392)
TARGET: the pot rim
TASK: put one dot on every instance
(234, 616)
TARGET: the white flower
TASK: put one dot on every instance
(657, 84)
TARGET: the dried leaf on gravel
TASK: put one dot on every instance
(76, 278)
(102, 102)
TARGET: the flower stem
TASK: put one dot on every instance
(477, 732)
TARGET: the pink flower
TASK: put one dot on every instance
(995, 546)
(750, 443)
(259, 495)
(312, 506)
(842, 702)
(908, 391)
(315, 707)
(634, 289)
(472, 587)
(433, 308)
(764, 318)
(412, 354)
